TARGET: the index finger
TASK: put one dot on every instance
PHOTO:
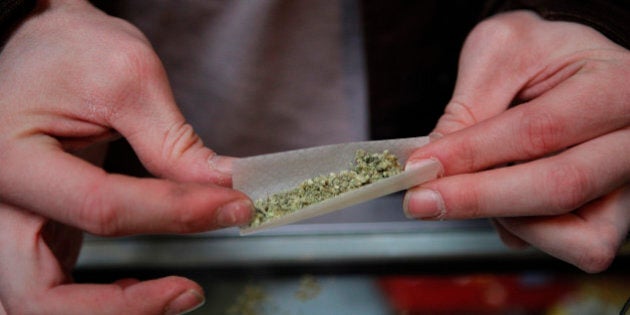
(57, 185)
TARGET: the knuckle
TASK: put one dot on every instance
(468, 157)
(134, 60)
(187, 219)
(498, 30)
(495, 40)
(121, 77)
(498, 34)
(178, 141)
(188, 222)
(96, 216)
(105, 222)
(568, 186)
(457, 115)
(474, 207)
(541, 133)
(462, 200)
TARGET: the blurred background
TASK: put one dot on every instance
(256, 77)
(367, 259)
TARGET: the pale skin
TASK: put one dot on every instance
(72, 77)
(553, 171)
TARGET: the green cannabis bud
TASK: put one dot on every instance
(367, 168)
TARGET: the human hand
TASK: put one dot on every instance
(72, 77)
(554, 169)
(38, 256)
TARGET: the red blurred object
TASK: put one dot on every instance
(474, 293)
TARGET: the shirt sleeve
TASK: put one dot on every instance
(13, 11)
(611, 18)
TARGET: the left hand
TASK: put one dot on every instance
(554, 170)
(72, 77)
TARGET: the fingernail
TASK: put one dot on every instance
(425, 204)
(435, 136)
(417, 163)
(235, 213)
(221, 164)
(185, 303)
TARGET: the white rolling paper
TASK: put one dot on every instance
(264, 175)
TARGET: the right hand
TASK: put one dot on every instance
(553, 171)
(72, 77)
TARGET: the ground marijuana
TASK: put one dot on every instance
(366, 169)
(309, 288)
(255, 299)
(249, 302)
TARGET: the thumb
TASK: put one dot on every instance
(170, 148)
(164, 142)
(489, 76)
(170, 295)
